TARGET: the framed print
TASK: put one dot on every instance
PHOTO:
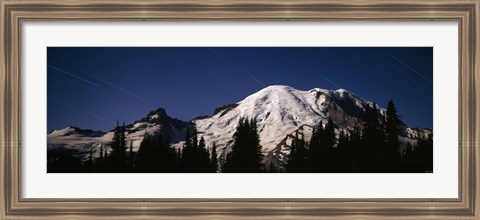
(233, 109)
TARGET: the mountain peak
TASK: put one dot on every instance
(273, 88)
(278, 87)
(160, 112)
(315, 90)
(342, 90)
(342, 93)
(75, 130)
(155, 116)
(159, 117)
(339, 92)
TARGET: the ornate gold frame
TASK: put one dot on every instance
(14, 12)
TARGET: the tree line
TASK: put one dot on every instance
(155, 155)
(374, 147)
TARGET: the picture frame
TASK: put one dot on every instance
(13, 14)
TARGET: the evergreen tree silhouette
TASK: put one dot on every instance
(292, 166)
(407, 163)
(194, 138)
(314, 150)
(130, 157)
(297, 157)
(202, 161)
(165, 157)
(145, 161)
(214, 161)
(189, 151)
(179, 161)
(118, 155)
(423, 154)
(354, 147)
(63, 163)
(89, 166)
(100, 161)
(245, 156)
(155, 156)
(343, 154)
(327, 142)
(194, 156)
(372, 141)
(392, 155)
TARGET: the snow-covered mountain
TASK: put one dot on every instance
(280, 111)
(78, 142)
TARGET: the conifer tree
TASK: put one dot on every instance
(424, 154)
(165, 156)
(372, 141)
(118, 155)
(245, 156)
(189, 151)
(154, 155)
(392, 123)
(327, 142)
(130, 156)
(99, 163)
(194, 138)
(407, 164)
(202, 161)
(314, 150)
(292, 166)
(297, 157)
(214, 161)
(354, 147)
(179, 161)
(89, 165)
(145, 161)
(343, 156)
(102, 152)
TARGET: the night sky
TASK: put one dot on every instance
(91, 87)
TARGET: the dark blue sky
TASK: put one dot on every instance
(92, 87)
